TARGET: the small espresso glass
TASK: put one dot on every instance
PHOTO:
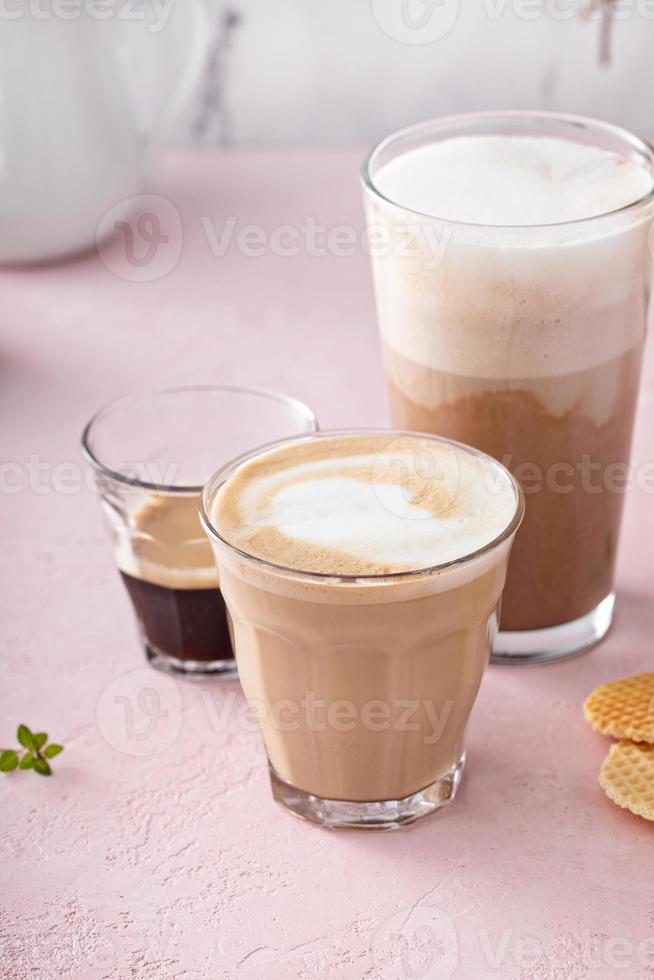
(152, 453)
(362, 685)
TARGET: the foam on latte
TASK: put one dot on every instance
(512, 180)
(167, 545)
(513, 294)
(364, 505)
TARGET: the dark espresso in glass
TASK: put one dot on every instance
(168, 569)
(188, 624)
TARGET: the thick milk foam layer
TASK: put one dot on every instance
(504, 303)
(364, 505)
(512, 180)
(167, 546)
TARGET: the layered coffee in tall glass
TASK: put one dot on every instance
(512, 267)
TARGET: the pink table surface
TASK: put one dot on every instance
(156, 850)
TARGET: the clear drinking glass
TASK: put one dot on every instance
(152, 453)
(362, 686)
(526, 342)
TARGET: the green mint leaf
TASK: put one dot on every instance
(25, 737)
(41, 766)
(8, 760)
(53, 750)
(40, 739)
(27, 761)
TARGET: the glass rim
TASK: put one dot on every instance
(220, 477)
(166, 488)
(439, 123)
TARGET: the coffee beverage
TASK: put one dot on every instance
(152, 454)
(167, 566)
(363, 573)
(563, 559)
(513, 181)
(516, 324)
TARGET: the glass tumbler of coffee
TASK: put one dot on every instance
(512, 266)
(152, 453)
(363, 572)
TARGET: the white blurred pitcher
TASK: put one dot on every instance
(70, 145)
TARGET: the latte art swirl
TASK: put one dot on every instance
(365, 505)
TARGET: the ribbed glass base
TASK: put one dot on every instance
(191, 669)
(557, 642)
(378, 815)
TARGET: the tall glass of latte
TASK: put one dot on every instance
(512, 267)
(362, 572)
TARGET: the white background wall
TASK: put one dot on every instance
(350, 70)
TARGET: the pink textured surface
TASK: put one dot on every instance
(160, 853)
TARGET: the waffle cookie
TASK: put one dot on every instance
(627, 777)
(623, 708)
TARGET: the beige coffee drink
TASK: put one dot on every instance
(167, 567)
(363, 574)
(513, 317)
